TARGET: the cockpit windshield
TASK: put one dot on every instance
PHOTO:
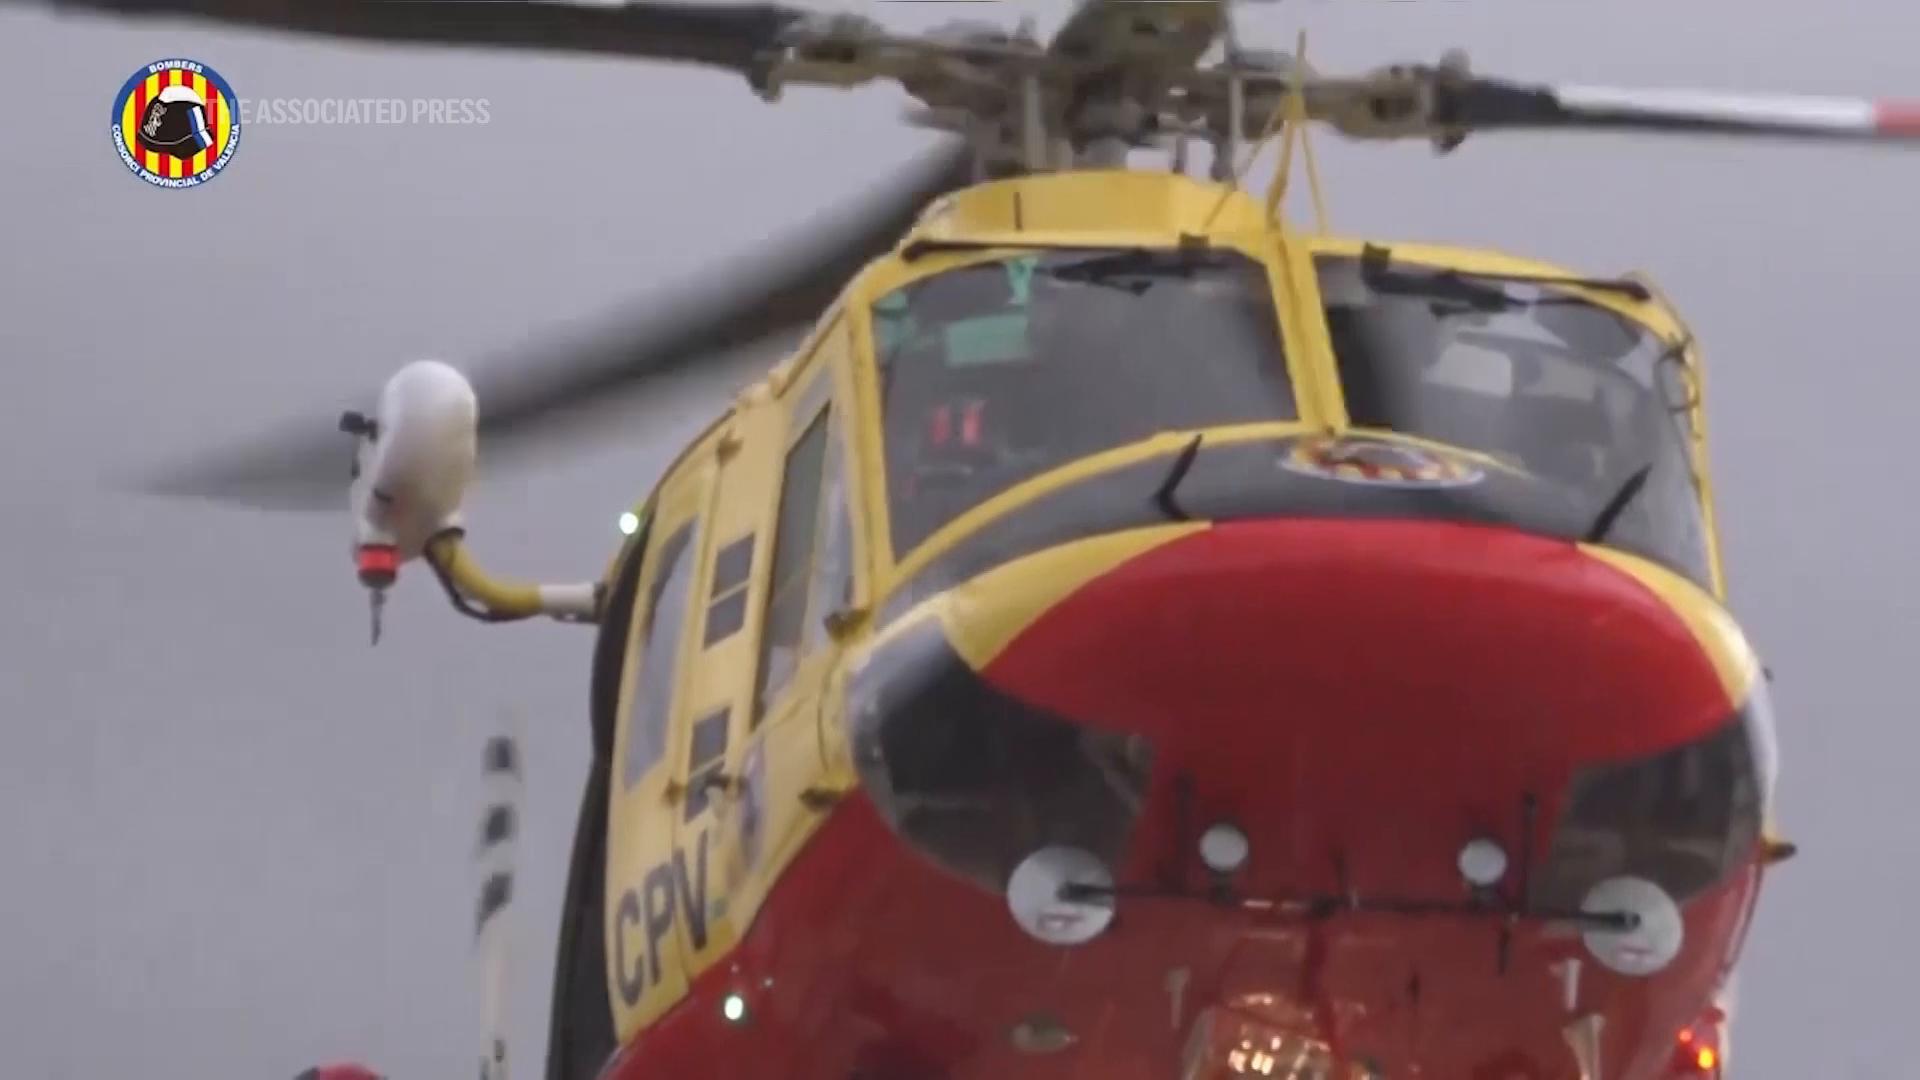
(1582, 398)
(995, 372)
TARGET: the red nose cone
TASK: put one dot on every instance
(1372, 691)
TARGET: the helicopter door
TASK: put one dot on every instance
(766, 513)
(731, 591)
(648, 879)
(810, 578)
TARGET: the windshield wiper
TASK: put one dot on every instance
(1139, 267)
(1610, 513)
(1376, 266)
(1164, 496)
(917, 249)
(1147, 261)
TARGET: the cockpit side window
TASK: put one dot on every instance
(1683, 818)
(658, 642)
(610, 644)
(1568, 391)
(995, 372)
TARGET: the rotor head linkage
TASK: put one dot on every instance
(1120, 75)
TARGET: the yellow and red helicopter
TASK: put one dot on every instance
(1131, 636)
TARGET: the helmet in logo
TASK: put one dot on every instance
(176, 123)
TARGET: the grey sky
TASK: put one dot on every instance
(236, 840)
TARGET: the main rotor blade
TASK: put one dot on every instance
(1487, 104)
(307, 469)
(723, 35)
(1445, 103)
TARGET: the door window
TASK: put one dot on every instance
(796, 531)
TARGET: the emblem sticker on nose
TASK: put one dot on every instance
(1377, 463)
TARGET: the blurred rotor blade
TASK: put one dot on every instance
(1487, 104)
(723, 35)
(785, 288)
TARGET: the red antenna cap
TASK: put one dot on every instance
(378, 564)
(340, 1072)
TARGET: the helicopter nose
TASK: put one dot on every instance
(1367, 693)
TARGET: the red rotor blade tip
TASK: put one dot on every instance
(1897, 118)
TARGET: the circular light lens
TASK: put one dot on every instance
(1034, 896)
(1656, 936)
(629, 522)
(1224, 848)
(1483, 862)
(734, 1008)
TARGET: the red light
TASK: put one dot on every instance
(1695, 1055)
(378, 564)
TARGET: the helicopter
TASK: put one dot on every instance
(1130, 635)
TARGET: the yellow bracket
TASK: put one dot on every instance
(1253, 154)
(1296, 129)
(504, 600)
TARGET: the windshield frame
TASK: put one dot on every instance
(1655, 315)
(1264, 250)
(1290, 263)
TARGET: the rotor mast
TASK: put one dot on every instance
(1113, 79)
(1120, 75)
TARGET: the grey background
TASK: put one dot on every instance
(234, 840)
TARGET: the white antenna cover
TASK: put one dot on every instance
(415, 469)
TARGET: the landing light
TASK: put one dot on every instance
(629, 523)
(1224, 848)
(1657, 932)
(1043, 904)
(734, 1008)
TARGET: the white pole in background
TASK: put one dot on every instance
(499, 837)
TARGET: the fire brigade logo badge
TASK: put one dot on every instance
(1377, 463)
(176, 123)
